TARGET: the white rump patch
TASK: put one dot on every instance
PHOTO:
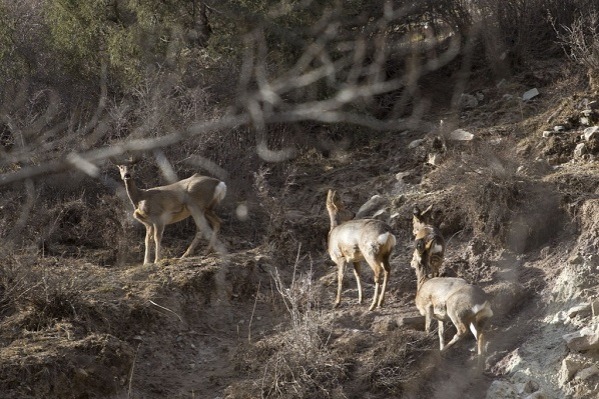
(220, 191)
(437, 248)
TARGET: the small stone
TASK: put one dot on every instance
(559, 128)
(530, 94)
(461, 135)
(434, 159)
(548, 133)
(580, 150)
(415, 143)
(468, 101)
(591, 133)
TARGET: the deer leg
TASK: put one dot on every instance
(201, 228)
(461, 333)
(158, 231)
(215, 222)
(428, 318)
(386, 273)
(357, 273)
(441, 327)
(377, 286)
(148, 242)
(340, 273)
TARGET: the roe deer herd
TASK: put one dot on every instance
(349, 241)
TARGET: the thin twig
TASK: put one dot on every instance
(167, 309)
(253, 312)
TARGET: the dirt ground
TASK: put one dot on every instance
(516, 209)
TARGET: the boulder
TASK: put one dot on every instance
(370, 207)
(583, 340)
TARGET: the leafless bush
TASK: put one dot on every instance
(304, 365)
(46, 294)
(493, 201)
(580, 42)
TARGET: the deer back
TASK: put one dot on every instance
(452, 296)
(354, 238)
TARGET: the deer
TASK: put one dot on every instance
(429, 242)
(156, 207)
(354, 240)
(453, 299)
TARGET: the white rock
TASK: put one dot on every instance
(549, 133)
(582, 340)
(434, 159)
(530, 94)
(415, 143)
(371, 206)
(583, 310)
(461, 135)
(580, 150)
(591, 133)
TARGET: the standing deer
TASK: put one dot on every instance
(429, 243)
(156, 207)
(356, 240)
(453, 299)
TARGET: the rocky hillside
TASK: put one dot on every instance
(513, 184)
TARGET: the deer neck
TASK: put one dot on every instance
(420, 277)
(334, 222)
(134, 193)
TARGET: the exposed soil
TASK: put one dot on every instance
(515, 209)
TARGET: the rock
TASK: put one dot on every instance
(461, 135)
(591, 133)
(530, 94)
(374, 204)
(500, 389)
(571, 366)
(584, 120)
(587, 373)
(412, 322)
(538, 395)
(559, 128)
(468, 101)
(576, 260)
(415, 143)
(434, 159)
(549, 133)
(595, 307)
(582, 310)
(580, 150)
(583, 340)
(528, 387)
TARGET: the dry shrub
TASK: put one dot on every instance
(580, 41)
(298, 362)
(401, 363)
(493, 201)
(47, 294)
